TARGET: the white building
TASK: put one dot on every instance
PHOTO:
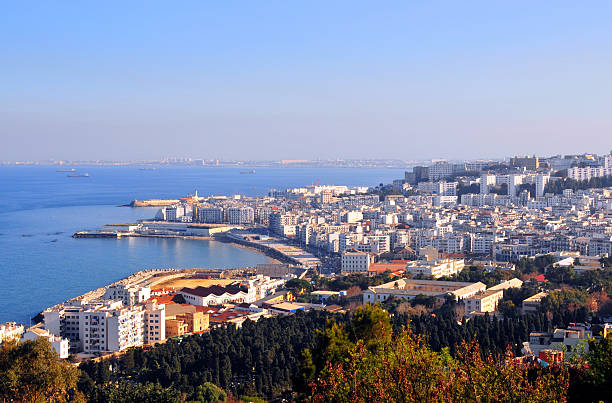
(128, 294)
(241, 215)
(484, 301)
(435, 268)
(217, 295)
(283, 224)
(10, 331)
(540, 182)
(111, 327)
(154, 323)
(486, 180)
(98, 326)
(585, 173)
(58, 344)
(440, 170)
(410, 288)
(210, 215)
(354, 261)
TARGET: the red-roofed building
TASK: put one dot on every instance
(380, 268)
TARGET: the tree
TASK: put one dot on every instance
(32, 372)
(209, 393)
(124, 392)
(403, 368)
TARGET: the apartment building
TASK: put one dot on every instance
(435, 268)
(154, 323)
(485, 301)
(283, 224)
(111, 327)
(586, 173)
(129, 294)
(58, 344)
(240, 215)
(354, 261)
(107, 325)
(210, 215)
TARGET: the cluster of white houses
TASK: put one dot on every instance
(128, 315)
(476, 297)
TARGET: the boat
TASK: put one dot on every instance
(66, 170)
(252, 171)
(85, 175)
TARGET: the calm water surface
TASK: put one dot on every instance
(40, 209)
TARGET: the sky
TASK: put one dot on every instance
(253, 80)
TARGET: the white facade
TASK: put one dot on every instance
(241, 215)
(210, 215)
(485, 301)
(440, 170)
(586, 173)
(154, 323)
(355, 262)
(128, 294)
(58, 344)
(485, 182)
(216, 295)
(10, 331)
(540, 182)
(435, 268)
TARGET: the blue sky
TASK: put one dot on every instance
(282, 79)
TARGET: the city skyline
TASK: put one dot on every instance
(253, 81)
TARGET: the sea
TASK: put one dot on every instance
(40, 209)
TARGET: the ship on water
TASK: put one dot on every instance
(85, 175)
(66, 170)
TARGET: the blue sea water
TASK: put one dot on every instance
(41, 264)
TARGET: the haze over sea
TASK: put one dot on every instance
(40, 209)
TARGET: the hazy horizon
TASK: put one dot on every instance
(282, 80)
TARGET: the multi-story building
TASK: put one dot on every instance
(572, 342)
(101, 326)
(111, 327)
(241, 215)
(58, 344)
(485, 301)
(530, 163)
(154, 323)
(540, 182)
(129, 294)
(283, 224)
(586, 173)
(440, 170)
(435, 268)
(486, 181)
(354, 261)
(210, 215)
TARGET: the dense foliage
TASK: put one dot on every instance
(259, 359)
(558, 186)
(32, 372)
(363, 361)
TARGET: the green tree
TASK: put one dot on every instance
(209, 393)
(32, 372)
